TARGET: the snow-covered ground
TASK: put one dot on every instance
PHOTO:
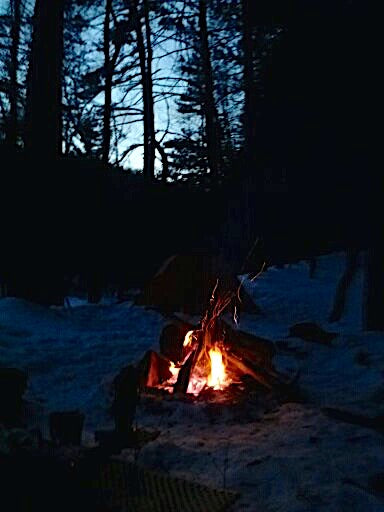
(71, 355)
(290, 457)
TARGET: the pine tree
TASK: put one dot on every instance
(208, 36)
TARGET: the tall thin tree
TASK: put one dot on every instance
(44, 90)
(144, 47)
(250, 95)
(149, 89)
(211, 118)
(108, 75)
(14, 89)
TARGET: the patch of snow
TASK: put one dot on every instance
(69, 353)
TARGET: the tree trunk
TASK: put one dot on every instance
(373, 318)
(108, 73)
(39, 277)
(211, 120)
(249, 83)
(343, 285)
(144, 82)
(312, 262)
(145, 57)
(151, 114)
(164, 160)
(14, 67)
(224, 129)
(251, 179)
(44, 95)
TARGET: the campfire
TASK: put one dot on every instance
(204, 363)
(212, 356)
(205, 369)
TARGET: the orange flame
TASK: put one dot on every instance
(217, 377)
(174, 371)
(188, 339)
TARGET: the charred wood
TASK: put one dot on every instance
(185, 372)
(247, 370)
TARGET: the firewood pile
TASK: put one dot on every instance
(212, 356)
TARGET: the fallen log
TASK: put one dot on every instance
(375, 423)
(309, 331)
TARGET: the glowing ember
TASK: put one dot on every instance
(196, 383)
(217, 377)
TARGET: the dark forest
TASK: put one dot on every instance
(269, 135)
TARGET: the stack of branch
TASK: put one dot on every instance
(245, 354)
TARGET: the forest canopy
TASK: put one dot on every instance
(182, 90)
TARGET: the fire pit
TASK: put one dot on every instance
(213, 356)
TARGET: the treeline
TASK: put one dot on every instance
(184, 90)
(177, 82)
(265, 106)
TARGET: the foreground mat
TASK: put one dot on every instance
(125, 487)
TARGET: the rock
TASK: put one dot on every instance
(13, 383)
(172, 339)
(185, 283)
(66, 427)
(126, 396)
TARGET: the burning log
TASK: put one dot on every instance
(153, 369)
(208, 362)
(213, 355)
(257, 349)
(245, 369)
(250, 360)
(184, 376)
